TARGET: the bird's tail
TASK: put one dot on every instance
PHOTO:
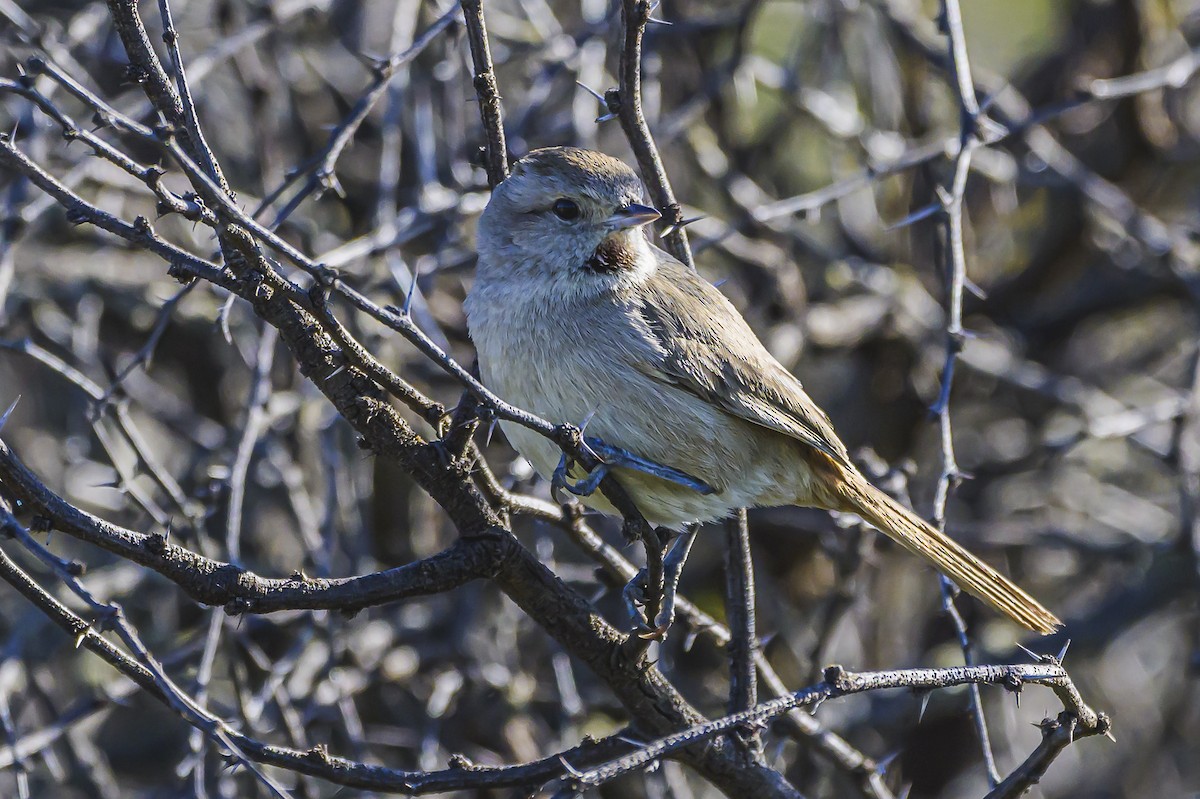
(967, 571)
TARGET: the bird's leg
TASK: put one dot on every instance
(672, 569)
(645, 590)
(639, 594)
(603, 457)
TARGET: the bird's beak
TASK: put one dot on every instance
(632, 215)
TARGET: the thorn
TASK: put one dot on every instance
(680, 225)
(915, 216)
(881, 765)
(599, 97)
(1029, 652)
(8, 413)
(1062, 653)
(650, 20)
(974, 288)
(412, 290)
(223, 319)
(924, 706)
(574, 772)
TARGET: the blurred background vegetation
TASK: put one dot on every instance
(1074, 408)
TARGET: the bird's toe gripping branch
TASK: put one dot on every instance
(580, 488)
(635, 593)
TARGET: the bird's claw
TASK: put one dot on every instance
(634, 595)
(662, 623)
(580, 488)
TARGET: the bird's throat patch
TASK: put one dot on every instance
(611, 257)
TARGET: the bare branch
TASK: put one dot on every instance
(837, 683)
(487, 91)
(626, 102)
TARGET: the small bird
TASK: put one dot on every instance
(576, 316)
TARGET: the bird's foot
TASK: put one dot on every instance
(636, 592)
(580, 488)
(635, 595)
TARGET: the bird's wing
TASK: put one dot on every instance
(700, 343)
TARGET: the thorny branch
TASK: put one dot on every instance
(318, 313)
(626, 102)
(838, 683)
(952, 199)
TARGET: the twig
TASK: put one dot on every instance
(157, 84)
(322, 166)
(739, 610)
(100, 409)
(252, 430)
(9, 728)
(187, 106)
(956, 270)
(837, 683)
(316, 761)
(800, 724)
(1057, 734)
(488, 92)
(626, 102)
(145, 355)
(1027, 123)
(239, 590)
(465, 419)
(112, 616)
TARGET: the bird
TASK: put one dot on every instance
(576, 316)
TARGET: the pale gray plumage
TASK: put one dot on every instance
(582, 320)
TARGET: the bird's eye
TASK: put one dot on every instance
(566, 210)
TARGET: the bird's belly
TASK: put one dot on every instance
(748, 465)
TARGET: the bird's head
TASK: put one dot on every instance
(566, 216)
